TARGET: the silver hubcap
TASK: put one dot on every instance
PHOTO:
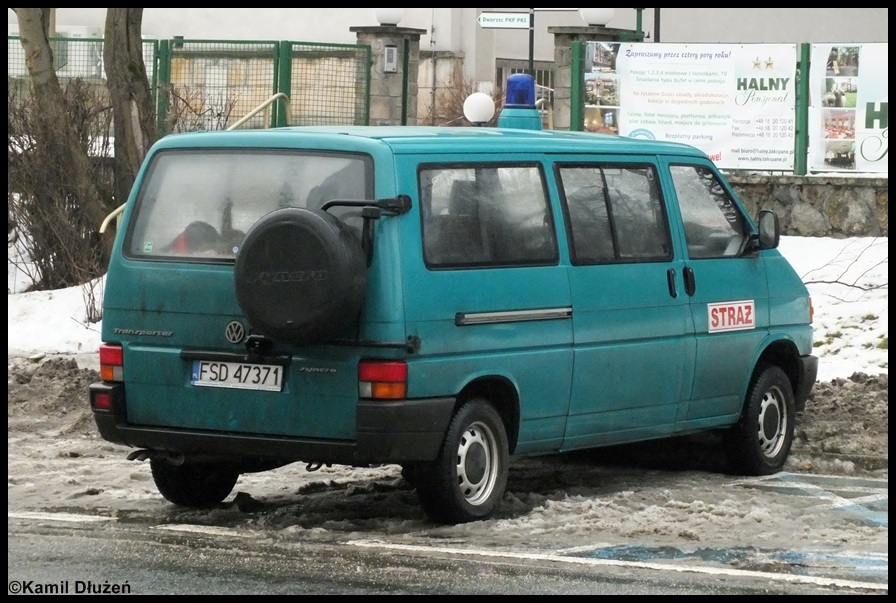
(772, 423)
(476, 471)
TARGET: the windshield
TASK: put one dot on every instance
(199, 204)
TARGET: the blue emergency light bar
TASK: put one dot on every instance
(520, 91)
(519, 105)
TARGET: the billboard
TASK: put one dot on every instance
(738, 102)
(848, 107)
(735, 102)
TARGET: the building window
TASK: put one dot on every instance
(544, 76)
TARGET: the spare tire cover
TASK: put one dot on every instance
(300, 276)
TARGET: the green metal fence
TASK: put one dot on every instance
(211, 84)
(214, 84)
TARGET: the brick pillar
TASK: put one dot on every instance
(563, 39)
(392, 94)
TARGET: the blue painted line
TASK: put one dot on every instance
(872, 508)
(862, 499)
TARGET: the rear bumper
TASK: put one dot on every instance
(394, 431)
(807, 375)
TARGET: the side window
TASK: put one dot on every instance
(488, 215)
(615, 213)
(714, 226)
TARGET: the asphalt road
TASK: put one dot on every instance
(83, 553)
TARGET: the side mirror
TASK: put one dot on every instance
(769, 230)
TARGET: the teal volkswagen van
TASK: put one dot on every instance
(441, 299)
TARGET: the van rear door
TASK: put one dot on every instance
(171, 302)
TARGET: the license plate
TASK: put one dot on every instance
(237, 375)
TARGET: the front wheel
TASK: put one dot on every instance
(199, 485)
(467, 480)
(761, 440)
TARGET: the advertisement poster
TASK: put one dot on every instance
(734, 102)
(848, 108)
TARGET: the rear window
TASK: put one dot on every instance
(199, 204)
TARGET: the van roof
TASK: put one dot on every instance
(414, 139)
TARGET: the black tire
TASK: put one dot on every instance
(467, 480)
(300, 276)
(199, 485)
(760, 442)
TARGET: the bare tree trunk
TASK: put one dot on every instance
(55, 134)
(61, 205)
(129, 90)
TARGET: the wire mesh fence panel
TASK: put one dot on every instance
(211, 84)
(329, 85)
(80, 58)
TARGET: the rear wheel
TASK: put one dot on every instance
(198, 485)
(761, 440)
(467, 480)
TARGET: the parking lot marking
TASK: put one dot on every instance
(864, 498)
(63, 517)
(584, 560)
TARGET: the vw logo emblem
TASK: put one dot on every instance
(235, 333)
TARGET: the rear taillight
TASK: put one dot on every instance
(101, 400)
(111, 362)
(811, 311)
(382, 380)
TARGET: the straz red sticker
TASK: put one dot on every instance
(732, 316)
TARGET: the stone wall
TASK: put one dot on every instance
(393, 94)
(819, 206)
